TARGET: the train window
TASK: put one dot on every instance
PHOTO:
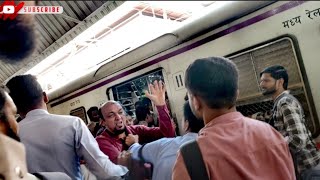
(251, 62)
(131, 91)
(81, 113)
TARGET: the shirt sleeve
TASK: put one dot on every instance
(108, 149)
(165, 129)
(179, 169)
(98, 163)
(149, 151)
(294, 125)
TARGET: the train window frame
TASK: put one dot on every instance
(301, 70)
(112, 89)
(85, 113)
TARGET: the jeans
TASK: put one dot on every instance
(311, 174)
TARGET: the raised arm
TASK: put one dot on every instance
(98, 163)
(165, 128)
(165, 122)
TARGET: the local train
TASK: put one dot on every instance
(253, 34)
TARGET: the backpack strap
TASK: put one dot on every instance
(193, 160)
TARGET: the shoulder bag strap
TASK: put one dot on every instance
(193, 160)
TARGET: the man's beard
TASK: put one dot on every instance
(269, 92)
(17, 39)
(119, 131)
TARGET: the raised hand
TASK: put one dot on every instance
(157, 93)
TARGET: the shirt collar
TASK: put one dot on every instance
(36, 112)
(110, 134)
(190, 134)
(284, 92)
(225, 118)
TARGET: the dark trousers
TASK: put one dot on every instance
(311, 174)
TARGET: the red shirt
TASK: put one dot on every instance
(111, 145)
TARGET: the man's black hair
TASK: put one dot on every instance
(214, 80)
(90, 110)
(25, 91)
(142, 112)
(195, 124)
(277, 72)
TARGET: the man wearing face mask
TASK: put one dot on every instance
(288, 119)
(112, 140)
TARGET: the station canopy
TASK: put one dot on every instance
(128, 26)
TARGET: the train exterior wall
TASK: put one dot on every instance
(307, 34)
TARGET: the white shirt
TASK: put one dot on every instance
(55, 143)
(162, 154)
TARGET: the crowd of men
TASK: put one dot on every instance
(219, 142)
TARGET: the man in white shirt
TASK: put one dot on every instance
(56, 142)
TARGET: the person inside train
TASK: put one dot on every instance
(12, 152)
(94, 125)
(129, 118)
(144, 116)
(112, 140)
(56, 142)
(163, 152)
(288, 119)
(231, 145)
(144, 113)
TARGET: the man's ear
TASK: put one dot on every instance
(238, 92)
(281, 82)
(45, 97)
(196, 102)
(186, 125)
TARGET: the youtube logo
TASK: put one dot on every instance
(8, 9)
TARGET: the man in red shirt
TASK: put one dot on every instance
(112, 140)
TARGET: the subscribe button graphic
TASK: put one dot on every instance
(8, 9)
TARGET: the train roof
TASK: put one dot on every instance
(210, 21)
